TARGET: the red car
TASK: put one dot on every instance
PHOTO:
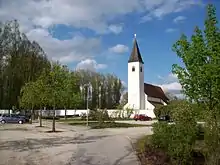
(142, 117)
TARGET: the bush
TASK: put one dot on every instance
(162, 110)
(97, 115)
(161, 136)
(212, 137)
(177, 139)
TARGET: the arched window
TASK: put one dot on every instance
(133, 68)
(141, 69)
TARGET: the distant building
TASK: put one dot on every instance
(142, 96)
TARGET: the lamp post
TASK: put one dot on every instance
(100, 95)
(88, 96)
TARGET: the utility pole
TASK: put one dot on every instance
(86, 98)
(100, 90)
(87, 107)
(89, 95)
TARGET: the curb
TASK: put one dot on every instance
(133, 148)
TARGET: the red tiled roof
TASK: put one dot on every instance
(155, 91)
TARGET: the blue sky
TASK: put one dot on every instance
(98, 34)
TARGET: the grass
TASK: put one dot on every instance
(107, 124)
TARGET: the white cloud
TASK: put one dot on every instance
(179, 19)
(146, 18)
(171, 84)
(170, 30)
(174, 86)
(66, 51)
(159, 8)
(90, 64)
(85, 13)
(115, 28)
(119, 48)
(172, 77)
(36, 17)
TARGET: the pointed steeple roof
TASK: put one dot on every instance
(135, 54)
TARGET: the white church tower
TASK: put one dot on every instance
(136, 95)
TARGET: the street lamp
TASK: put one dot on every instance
(100, 95)
(88, 97)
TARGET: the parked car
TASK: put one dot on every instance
(142, 117)
(165, 118)
(26, 117)
(12, 118)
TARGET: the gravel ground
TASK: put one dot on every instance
(30, 145)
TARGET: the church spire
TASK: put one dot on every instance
(135, 54)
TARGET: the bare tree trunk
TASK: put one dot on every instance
(40, 117)
(32, 114)
(53, 123)
(65, 113)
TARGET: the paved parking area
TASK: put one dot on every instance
(30, 145)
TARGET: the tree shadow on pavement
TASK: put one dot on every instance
(30, 143)
(82, 158)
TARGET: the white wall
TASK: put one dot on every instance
(136, 86)
(61, 112)
(156, 100)
(148, 105)
(112, 112)
(3, 111)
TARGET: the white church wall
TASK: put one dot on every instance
(156, 100)
(135, 86)
(148, 105)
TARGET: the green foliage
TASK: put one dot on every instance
(28, 96)
(162, 135)
(162, 110)
(21, 61)
(129, 112)
(168, 109)
(99, 115)
(200, 77)
(177, 139)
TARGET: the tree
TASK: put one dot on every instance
(200, 76)
(55, 86)
(21, 61)
(124, 99)
(29, 97)
(70, 95)
(43, 93)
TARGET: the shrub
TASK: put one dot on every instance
(98, 115)
(212, 138)
(161, 136)
(162, 110)
(129, 112)
(177, 139)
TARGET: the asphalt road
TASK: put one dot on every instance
(29, 145)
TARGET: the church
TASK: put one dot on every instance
(142, 97)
